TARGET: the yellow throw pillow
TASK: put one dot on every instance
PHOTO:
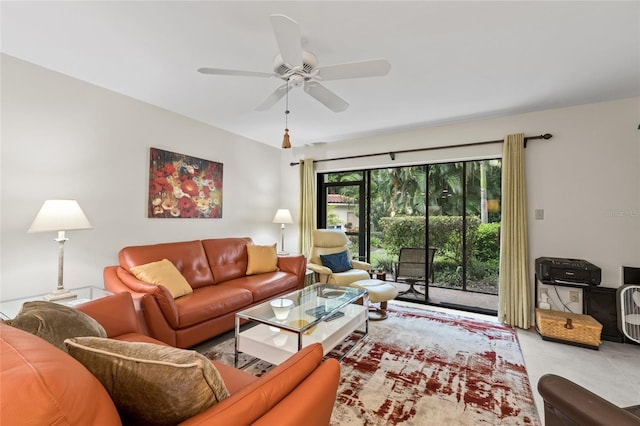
(163, 273)
(262, 259)
(150, 384)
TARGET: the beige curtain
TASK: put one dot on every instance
(307, 205)
(514, 286)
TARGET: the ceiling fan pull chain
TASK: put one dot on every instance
(286, 143)
(286, 108)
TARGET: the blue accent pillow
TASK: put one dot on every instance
(337, 262)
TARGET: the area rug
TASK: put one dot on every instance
(425, 367)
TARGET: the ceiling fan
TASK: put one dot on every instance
(299, 68)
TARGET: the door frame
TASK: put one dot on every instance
(364, 251)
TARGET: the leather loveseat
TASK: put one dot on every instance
(568, 404)
(41, 384)
(216, 270)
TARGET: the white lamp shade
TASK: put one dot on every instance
(283, 216)
(60, 215)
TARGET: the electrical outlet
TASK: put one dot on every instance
(574, 296)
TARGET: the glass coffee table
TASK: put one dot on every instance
(322, 313)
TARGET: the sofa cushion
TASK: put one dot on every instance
(261, 259)
(41, 384)
(163, 273)
(265, 286)
(151, 384)
(227, 257)
(188, 256)
(337, 262)
(252, 402)
(207, 303)
(54, 322)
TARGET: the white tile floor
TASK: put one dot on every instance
(612, 371)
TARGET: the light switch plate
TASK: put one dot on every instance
(539, 214)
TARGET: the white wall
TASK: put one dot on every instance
(63, 138)
(586, 178)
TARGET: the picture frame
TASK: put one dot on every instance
(183, 187)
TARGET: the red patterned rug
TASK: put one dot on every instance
(424, 367)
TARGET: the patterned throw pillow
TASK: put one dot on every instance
(54, 322)
(151, 384)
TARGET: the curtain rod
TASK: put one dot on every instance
(393, 153)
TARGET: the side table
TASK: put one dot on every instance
(309, 278)
(10, 308)
(378, 275)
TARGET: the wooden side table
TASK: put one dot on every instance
(310, 278)
(378, 275)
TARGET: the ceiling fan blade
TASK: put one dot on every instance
(325, 96)
(289, 39)
(218, 71)
(371, 68)
(274, 97)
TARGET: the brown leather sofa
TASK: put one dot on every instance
(41, 384)
(216, 270)
(569, 404)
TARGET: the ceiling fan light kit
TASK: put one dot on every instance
(300, 68)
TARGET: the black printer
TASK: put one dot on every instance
(567, 272)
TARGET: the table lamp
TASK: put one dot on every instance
(282, 216)
(60, 216)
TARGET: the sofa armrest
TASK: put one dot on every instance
(287, 389)
(296, 265)
(294, 409)
(134, 284)
(115, 313)
(569, 404)
(117, 280)
(167, 305)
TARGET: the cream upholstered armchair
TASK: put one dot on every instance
(327, 242)
(330, 260)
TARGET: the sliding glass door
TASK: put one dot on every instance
(464, 224)
(398, 227)
(444, 218)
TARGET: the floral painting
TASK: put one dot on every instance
(181, 186)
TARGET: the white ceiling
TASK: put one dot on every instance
(450, 61)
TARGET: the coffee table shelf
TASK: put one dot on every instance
(275, 340)
(275, 345)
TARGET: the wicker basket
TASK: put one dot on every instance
(566, 327)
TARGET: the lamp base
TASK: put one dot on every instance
(59, 294)
(283, 253)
